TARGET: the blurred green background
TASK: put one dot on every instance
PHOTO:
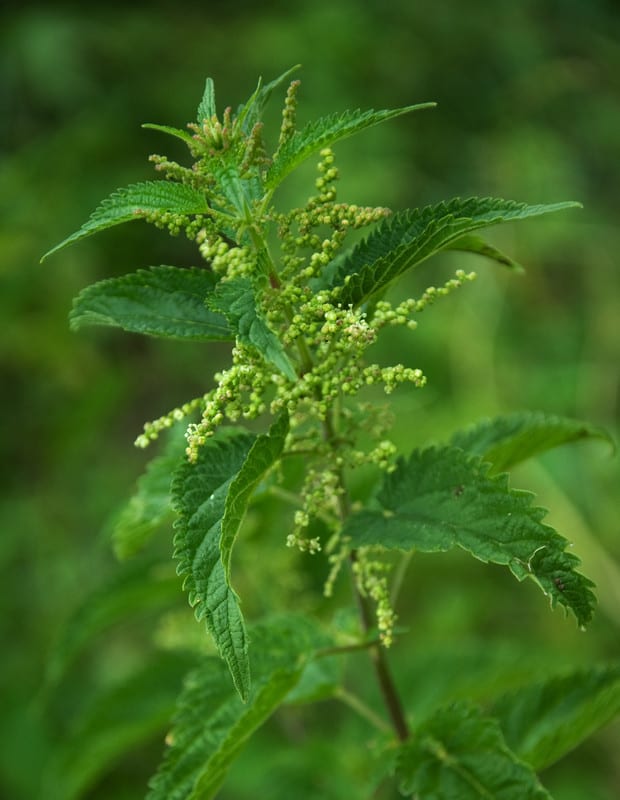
(529, 109)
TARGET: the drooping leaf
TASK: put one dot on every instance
(160, 301)
(151, 505)
(136, 202)
(507, 440)
(235, 299)
(263, 454)
(410, 237)
(139, 587)
(118, 719)
(206, 107)
(458, 754)
(199, 492)
(212, 724)
(441, 498)
(544, 721)
(326, 131)
(471, 243)
(178, 133)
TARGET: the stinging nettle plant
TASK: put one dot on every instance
(302, 300)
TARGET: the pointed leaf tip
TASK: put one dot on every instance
(409, 237)
(442, 498)
(137, 202)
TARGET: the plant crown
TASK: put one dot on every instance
(302, 298)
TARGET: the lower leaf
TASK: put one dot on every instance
(212, 724)
(458, 754)
(544, 721)
(441, 498)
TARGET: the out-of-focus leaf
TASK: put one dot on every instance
(510, 439)
(458, 754)
(544, 721)
(212, 725)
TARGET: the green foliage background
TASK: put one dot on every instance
(528, 109)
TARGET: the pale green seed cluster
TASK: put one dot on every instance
(372, 580)
(154, 428)
(224, 259)
(303, 230)
(175, 223)
(240, 393)
(173, 170)
(289, 113)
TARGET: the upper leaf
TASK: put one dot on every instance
(460, 755)
(442, 498)
(251, 112)
(236, 300)
(510, 439)
(206, 107)
(212, 725)
(544, 721)
(470, 243)
(409, 237)
(160, 301)
(323, 132)
(199, 492)
(136, 202)
(262, 456)
(185, 136)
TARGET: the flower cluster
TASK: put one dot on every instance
(288, 259)
(372, 581)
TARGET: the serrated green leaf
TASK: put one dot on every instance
(406, 239)
(263, 454)
(443, 498)
(251, 112)
(151, 505)
(235, 299)
(458, 754)
(212, 725)
(239, 192)
(199, 492)
(326, 131)
(206, 107)
(136, 202)
(178, 133)
(117, 720)
(544, 721)
(138, 587)
(477, 245)
(509, 439)
(160, 301)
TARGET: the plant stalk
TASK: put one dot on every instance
(377, 652)
(382, 670)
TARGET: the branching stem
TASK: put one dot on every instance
(358, 705)
(377, 653)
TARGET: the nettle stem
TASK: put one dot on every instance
(383, 673)
(376, 651)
